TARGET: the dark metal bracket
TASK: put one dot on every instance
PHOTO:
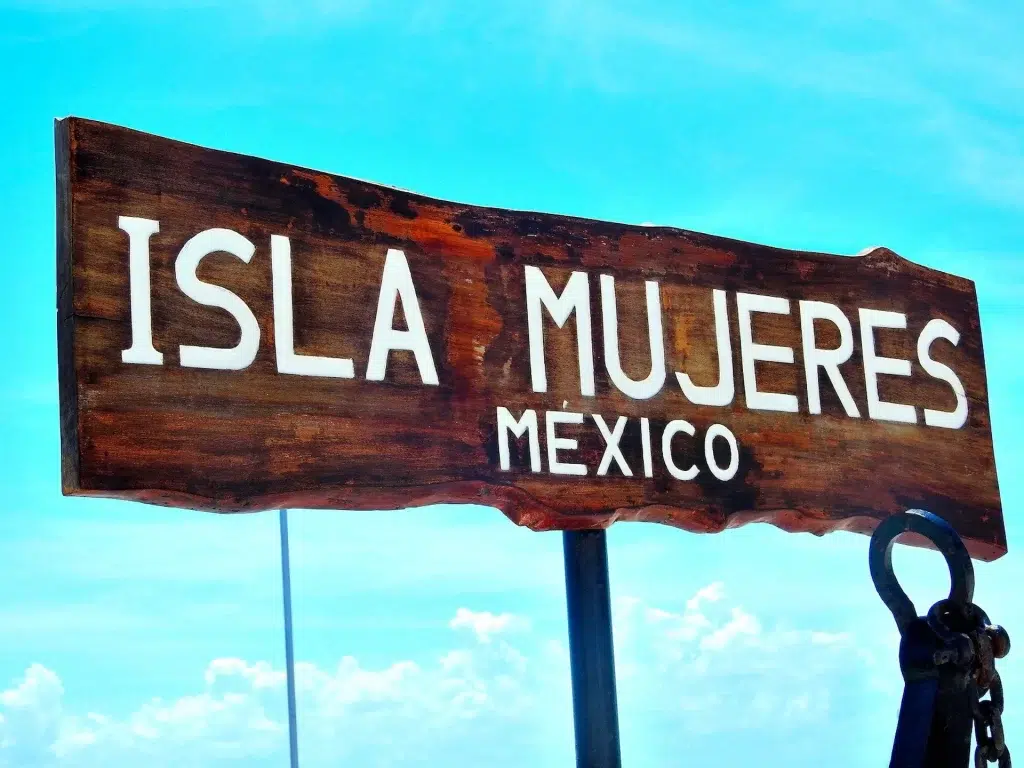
(947, 657)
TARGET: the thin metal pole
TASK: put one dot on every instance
(289, 655)
(591, 655)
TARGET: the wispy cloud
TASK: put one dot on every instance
(501, 678)
(949, 74)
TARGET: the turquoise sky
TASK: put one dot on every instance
(134, 635)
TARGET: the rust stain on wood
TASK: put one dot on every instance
(257, 438)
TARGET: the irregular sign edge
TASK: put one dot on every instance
(988, 426)
(523, 509)
(67, 380)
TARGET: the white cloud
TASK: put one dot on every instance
(741, 623)
(483, 624)
(32, 713)
(690, 664)
(711, 593)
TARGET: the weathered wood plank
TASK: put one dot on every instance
(258, 438)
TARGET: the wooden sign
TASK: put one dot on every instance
(237, 334)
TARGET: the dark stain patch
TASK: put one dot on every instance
(974, 524)
(491, 445)
(384, 238)
(529, 226)
(363, 198)
(324, 216)
(735, 495)
(360, 216)
(474, 224)
(507, 346)
(550, 229)
(400, 205)
(506, 254)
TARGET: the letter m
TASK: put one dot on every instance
(575, 298)
(527, 424)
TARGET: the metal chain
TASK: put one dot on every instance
(990, 642)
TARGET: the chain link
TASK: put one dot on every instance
(989, 643)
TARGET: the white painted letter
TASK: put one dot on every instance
(722, 393)
(875, 365)
(562, 443)
(142, 349)
(719, 430)
(679, 425)
(649, 387)
(940, 329)
(827, 359)
(526, 424)
(751, 352)
(575, 298)
(242, 354)
(645, 445)
(396, 283)
(611, 448)
(284, 334)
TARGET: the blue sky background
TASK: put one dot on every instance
(133, 635)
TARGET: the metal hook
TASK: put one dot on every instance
(946, 540)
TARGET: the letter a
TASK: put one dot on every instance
(396, 283)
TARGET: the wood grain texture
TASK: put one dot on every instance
(231, 441)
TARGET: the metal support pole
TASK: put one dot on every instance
(289, 655)
(595, 710)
